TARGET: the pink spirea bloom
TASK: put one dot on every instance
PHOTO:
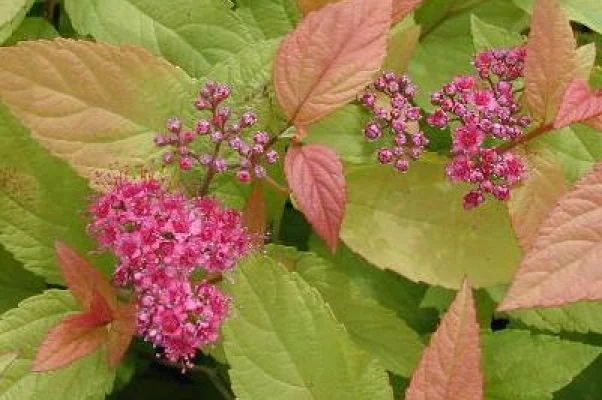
(390, 99)
(161, 239)
(484, 107)
(181, 317)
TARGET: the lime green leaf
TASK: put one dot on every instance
(390, 290)
(6, 359)
(284, 342)
(522, 366)
(22, 330)
(371, 326)
(440, 299)
(16, 283)
(486, 36)
(193, 34)
(343, 131)
(12, 12)
(415, 224)
(35, 210)
(34, 28)
(586, 12)
(596, 76)
(94, 105)
(577, 147)
(272, 18)
(585, 386)
(583, 317)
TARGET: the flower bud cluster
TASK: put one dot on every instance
(160, 240)
(484, 109)
(254, 149)
(390, 99)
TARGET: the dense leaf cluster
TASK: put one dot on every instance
(364, 282)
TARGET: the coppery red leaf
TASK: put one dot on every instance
(551, 62)
(331, 55)
(74, 337)
(563, 266)
(450, 368)
(83, 280)
(579, 104)
(315, 176)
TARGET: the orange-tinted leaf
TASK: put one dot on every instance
(315, 176)
(551, 59)
(564, 265)
(254, 216)
(579, 104)
(536, 197)
(450, 368)
(332, 55)
(73, 338)
(401, 8)
(308, 6)
(121, 332)
(83, 279)
(93, 105)
(595, 122)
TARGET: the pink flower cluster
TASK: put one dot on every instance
(161, 239)
(390, 99)
(254, 152)
(484, 110)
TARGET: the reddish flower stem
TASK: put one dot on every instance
(282, 189)
(540, 130)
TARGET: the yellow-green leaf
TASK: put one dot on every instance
(415, 224)
(92, 104)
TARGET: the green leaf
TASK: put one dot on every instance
(371, 326)
(6, 359)
(249, 72)
(35, 210)
(22, 330)
(271, 18)
(577, 147)
(523, 366)
(12, 13)
(343, 131)
(585, 386)
(581, 317)
(415, 224)
(193, 34)
(486, 36)
(389, 289)
(16, 283)
(446, 47)
(440, 299)
(34, 28)
(586, 12)
(284, 342)
(403, 42)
